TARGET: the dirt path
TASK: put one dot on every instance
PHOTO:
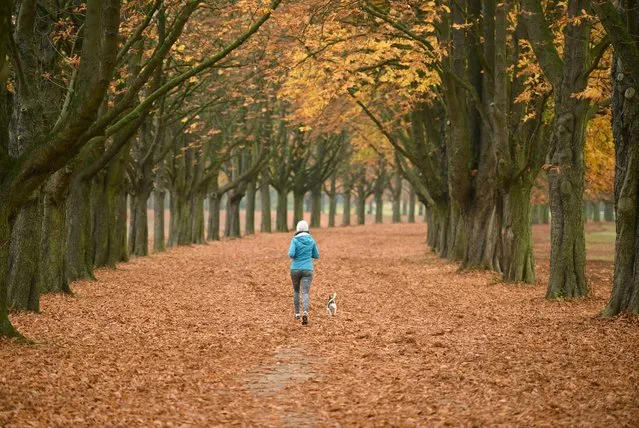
(205, 336)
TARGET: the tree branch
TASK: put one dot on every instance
(541, 39)
(208, 63)
(596, 53)
(624, 44)
(139, 31)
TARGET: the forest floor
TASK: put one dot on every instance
(205, 335)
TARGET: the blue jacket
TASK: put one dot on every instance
(302, 249)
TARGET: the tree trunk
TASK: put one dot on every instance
(120, 232)
(625, 127)
(307, 203)
(180, 227)
(411, 205)
(361, 207)
(440, 236)
(139, 229)
(173, 220)
(79, 233)
(566, 174)
(265, 200)
(159, 196)
(332, 203)
(346, 216)
(316, 207)
(132, 231)
(397, 199)
(609, 211)
(404, 207)
(566, 179)
(196, 217)
(298, 207)
(109, 210)
(596, 213)
(518, 259)
(281, 221)
(432, 230)
(482, 228)
(420, 210)
(213, 233)
(53, 267)
(6, 328)
(379, 207)
(397, 211)
(249, 228)
(545, 213)
(232, 225)
(24, 258)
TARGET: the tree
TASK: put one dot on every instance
(621, 23)
(32, 154)
(44, 139)
(568, 76)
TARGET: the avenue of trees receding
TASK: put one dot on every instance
(493, 115)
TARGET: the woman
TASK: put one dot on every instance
(302, 250)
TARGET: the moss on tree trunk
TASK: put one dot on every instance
(53, 262)
(566, 179)
(625, 111)
(79, 237)
(24, 258)
(518, 259)
(109, 211)
(6, 328)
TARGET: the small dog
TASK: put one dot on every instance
(331, 306)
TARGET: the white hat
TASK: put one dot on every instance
(302, 226)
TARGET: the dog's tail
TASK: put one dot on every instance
(334, 296)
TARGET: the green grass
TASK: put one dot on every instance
(607, 236)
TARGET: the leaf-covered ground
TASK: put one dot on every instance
(205, 335)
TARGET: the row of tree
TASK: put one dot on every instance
(479, 97)
(104, 102)
(96, 104)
